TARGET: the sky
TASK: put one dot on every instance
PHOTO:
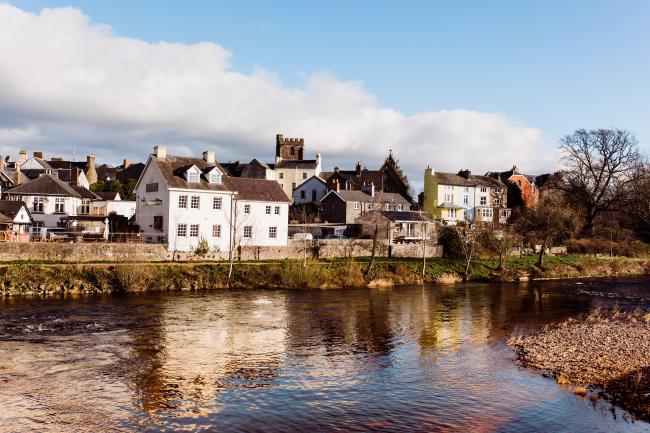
(464, 84)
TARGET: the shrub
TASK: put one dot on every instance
(632, 248)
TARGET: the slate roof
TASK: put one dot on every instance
(108, 195)
(452, 179)
(404, 215)
(233, 169)
(296, 163)
(449, 205)
(45, 185)
(85, 193)
(10, 208)
(132, 172)
(257, 189)
(488, 181)
(379, 197)
(173, 169)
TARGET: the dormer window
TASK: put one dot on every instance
(193, 174)
(214, 176)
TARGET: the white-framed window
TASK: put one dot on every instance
(195, 203)
(452, 213)
(487, 212)
(304, 175)
(281, 175)
(38, 204)
(216, 231)
(277, 210)
(387, 207)
(59, 205)
(248, 231)
(369, 206)
(215, 177)
(84, 209)
(449, 198)
(194, 230)
(497, 201)
(181, 230)
(216, 203)
(399, 207)
(268, 210)
(247, 208)
(273, 232)
(483, 189)
(465, 199)
(483, 201)
(182, 201)
(356, 205)
(192, 176)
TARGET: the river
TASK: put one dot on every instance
(402, 359)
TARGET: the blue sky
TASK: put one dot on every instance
(552, 65)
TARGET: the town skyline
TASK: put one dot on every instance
(346, 115)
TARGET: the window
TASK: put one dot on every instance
(277, 210)
(399, 207)
(293, 185)
(196, 202)
(192, 176)
(449, 198)
(483, 189)
(182, 201)
(369, 206)
(304, 175)
(151, 187)
(497, 201)
(216, 203)
(247, 208)
(497, 189)
(483, 201)
(215, 177)
(356, 205)
(487, 212)
(248, 231)
(216, 231)
(452, 213)
(158, 223)
(36, 228)
(194, 230)
(181, 230)
(37, 206)
(84, 209)
(387, 206)
(273, 232)
(268, 210)
(281, 175)
(59, 205)
(303, 194)
(466, 199)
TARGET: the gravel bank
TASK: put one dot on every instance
(607, 351)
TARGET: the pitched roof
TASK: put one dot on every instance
(10, 208)
(453, 179)
(85, 193)
(257, 189)
(297, 163)
(108, 195)
(404, 215)
(379, 197)
(173, 170)
(233, 169)
(488, 181)
(132, 172)
(45, 185)
(449, 205)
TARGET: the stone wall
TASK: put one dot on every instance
(101, 252)
(82, 252)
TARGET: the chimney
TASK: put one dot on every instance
(38, 154)
(17, 175)
(22, 157)
(336, 169)
(358, 168)
(56, 158)
(160, 152)
(465, 173)
(126, 163)
(336, 185)
(208, 156)
(91, 173)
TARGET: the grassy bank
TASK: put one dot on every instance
(37, 278)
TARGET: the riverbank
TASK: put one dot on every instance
(606, 354)
(22, 278)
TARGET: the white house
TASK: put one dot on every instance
(311, 190)
(183, 200)
(49, 200)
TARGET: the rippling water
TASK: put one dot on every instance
(403, 359)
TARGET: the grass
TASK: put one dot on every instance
(31, 277)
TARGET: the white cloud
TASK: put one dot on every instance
(65, 80)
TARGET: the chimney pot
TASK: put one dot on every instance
(160, 152)
(126, 163)
(38, 154)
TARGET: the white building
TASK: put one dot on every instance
(112, 204)
(50, 200)
(311, 190)
(181, 201)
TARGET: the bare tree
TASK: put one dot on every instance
(547, 223)
(237, 220)
(599, 167)
(500, 242)
(639, 202)
(468, 245)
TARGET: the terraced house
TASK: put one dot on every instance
(463, 197)
(182, 201)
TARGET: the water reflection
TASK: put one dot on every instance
(416, 358)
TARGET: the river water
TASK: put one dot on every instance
(404, 359)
